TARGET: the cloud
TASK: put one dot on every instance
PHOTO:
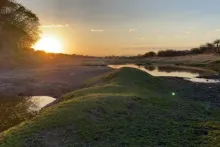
(132, 30)
(217, 30)
(95, 30)
(140, 38)
(55, 26)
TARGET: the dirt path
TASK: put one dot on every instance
(49, 81)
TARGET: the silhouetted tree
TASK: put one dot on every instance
(203, 48)
(209, 47)
(217, 45)
(19, 27)
(3, 3)
(195, 51)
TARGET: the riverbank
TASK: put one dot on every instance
(126, 107)
(207, 61)
(54, 80)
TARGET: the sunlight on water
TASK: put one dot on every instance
(157, 72)
(202, 80)
(16, 109)
(173, 71)
(38, 102)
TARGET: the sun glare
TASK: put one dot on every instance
(49, 44)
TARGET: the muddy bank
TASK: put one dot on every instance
(197, 91)
(59, 80)
(49, 81)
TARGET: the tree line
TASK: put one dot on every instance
(207, 48)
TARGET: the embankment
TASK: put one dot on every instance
(126, 107)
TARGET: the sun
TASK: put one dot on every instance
(49, 44)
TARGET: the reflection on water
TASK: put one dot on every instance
(14, 110)
(202, 80)
(38, 102)
(173, 71)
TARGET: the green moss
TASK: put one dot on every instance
(130, 108)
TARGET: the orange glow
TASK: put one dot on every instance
(49, 44)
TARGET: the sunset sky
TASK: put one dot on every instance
(127, 27)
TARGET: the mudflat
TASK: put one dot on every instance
(49, 80)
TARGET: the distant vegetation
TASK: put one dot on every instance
(207, 48)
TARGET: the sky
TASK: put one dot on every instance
(128, 27)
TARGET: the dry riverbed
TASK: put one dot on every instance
(190, 90)
(58, 80)
(50, 81)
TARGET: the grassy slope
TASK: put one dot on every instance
(125, 108)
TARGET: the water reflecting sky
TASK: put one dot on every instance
(16, 109)
(173, 71)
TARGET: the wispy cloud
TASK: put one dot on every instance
(96, 30)
(140, 38)
(132, 30)
(217, 30)
(54, 26)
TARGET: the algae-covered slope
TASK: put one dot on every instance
(124, 108)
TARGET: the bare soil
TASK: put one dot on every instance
(49, 81)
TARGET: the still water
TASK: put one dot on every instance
(187, 73)
(14, 110)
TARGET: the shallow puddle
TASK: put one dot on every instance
(39, 102)
(14, 110)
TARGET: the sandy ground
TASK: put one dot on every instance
(47, 81)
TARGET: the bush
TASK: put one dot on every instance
(207, 48)
(150, 54)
